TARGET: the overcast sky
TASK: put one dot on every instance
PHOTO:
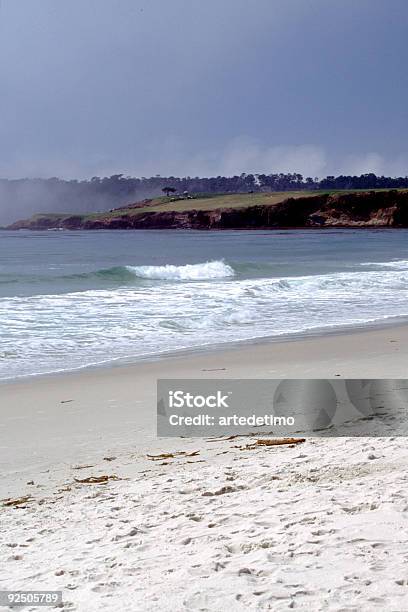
(203, 87)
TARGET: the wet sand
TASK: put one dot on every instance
(55, 421)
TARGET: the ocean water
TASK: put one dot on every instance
(75, 299)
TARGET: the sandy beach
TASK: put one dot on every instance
(318, 525)
(203, 306)
(59, 420)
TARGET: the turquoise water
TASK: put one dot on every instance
(74, 299)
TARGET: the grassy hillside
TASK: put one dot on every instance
(213, 202)
(208, 202)
(203, 202)
(198, 202)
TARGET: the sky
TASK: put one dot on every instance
(203, 88)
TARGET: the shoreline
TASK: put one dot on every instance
(52, 422)
(280, 228)
(394, 322)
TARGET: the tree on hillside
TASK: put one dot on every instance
(169, 190)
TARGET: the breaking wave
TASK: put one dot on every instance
(70, 330)
(396, 264)
(201, 271)
(129, 275)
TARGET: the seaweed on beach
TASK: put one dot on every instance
(250, 434)
(272, 442)
(162, 456)
(97, 479)
(17, 502)
(277, 442)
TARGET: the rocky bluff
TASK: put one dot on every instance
(356, 209)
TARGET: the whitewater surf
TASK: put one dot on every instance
(92, 299)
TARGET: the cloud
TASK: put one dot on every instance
(356, 164)
(239, 155)
(249, 156)
(172, 157)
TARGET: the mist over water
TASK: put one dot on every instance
(89, 298)
(22, 198)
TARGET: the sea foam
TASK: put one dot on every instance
(200, 271)
(396, 264)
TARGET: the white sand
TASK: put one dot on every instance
(321, 526)
(318, 526)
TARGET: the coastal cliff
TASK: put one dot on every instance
(385, 208)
